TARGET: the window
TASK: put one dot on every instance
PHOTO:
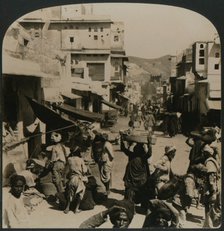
(96, 71)
(37, 34)
(95, 37)
(116, 38)
(77, 72)
(95, 29)
(217, 54)
(116, 67)
(65, 27)
(201, 46)
(201, 53)
(70, 27)
(89, 29)
(71, 39)
(216, 66)
(89, 35)
(101, 29)
(25, 42)
(201, 61)
(76, 27)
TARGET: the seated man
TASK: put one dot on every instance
(15, 213)
(120, 214)
(161, 214)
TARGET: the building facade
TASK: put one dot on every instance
(90, 49)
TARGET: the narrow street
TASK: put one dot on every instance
(51, 217)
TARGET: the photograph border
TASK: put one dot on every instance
(213, 10)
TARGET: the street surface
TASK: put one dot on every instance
(46, 216)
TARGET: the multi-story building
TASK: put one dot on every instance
(197, 88)
(207, 69)
(89, 48)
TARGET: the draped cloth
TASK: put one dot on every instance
(136, 173)
(76, 186)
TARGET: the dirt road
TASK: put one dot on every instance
(47, 216)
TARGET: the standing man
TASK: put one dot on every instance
(58, 160)
(102, 153)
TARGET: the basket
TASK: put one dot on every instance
(141, 139)
(137, 139)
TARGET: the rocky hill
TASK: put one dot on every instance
(141, 69)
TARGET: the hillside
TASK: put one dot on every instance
(141, 69)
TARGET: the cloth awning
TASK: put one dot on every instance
(85, 93)
(109, 104)
(52, 119)
(80, 114)
(71, 95)
(213, 104)
(52, 94)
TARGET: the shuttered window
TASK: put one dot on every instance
(96, 71)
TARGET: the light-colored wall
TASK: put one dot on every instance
(213, 75)
(200, 68)
(83, 38)
(117, 29)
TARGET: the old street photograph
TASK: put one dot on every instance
(111, 118)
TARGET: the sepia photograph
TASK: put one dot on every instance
(111, 118)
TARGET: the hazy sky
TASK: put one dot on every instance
(154, 30)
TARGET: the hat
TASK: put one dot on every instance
(195, 134)
(169, 149)
(209, 136)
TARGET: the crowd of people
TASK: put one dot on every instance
(75, 181)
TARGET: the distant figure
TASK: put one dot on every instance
(149, 121)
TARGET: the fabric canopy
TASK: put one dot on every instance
(71, 95)
(80, 114)
(52, 119)
(111, 104)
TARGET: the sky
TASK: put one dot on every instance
(153, 30)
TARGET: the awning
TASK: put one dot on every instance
(80, 114)
(115, 106)
(71, 95)
(213, 104)
(52, 119)
(52, 94)
(84, 93)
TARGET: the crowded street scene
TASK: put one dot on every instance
(93, 137)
